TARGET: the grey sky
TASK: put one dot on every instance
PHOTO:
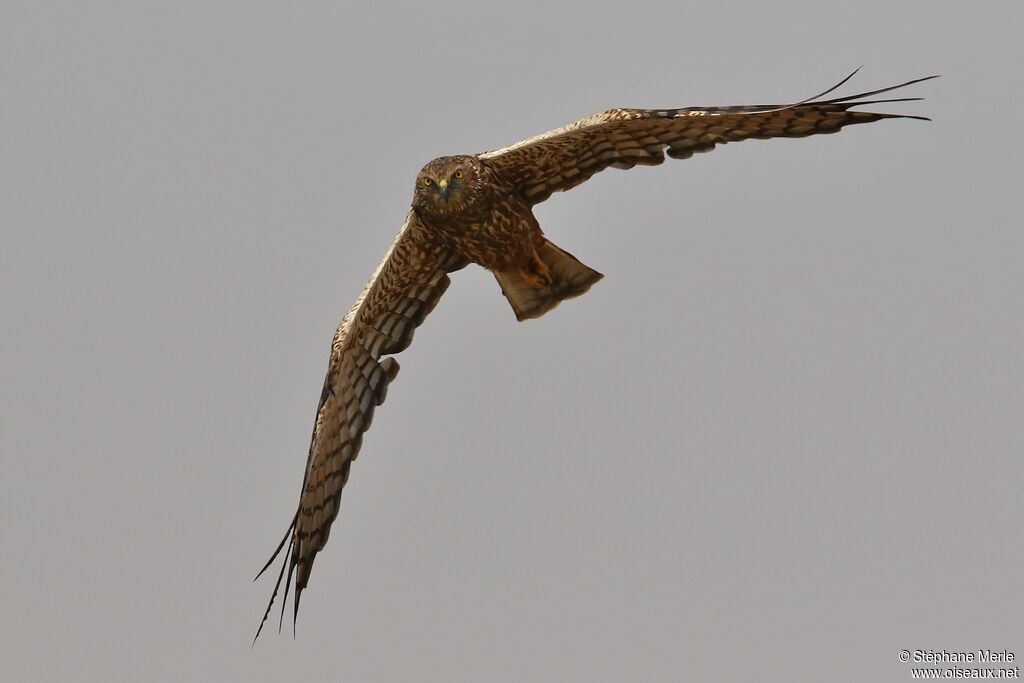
(781, 440)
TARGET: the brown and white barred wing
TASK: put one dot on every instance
(405, 288)
(622, 138)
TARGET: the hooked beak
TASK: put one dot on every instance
(443, 186)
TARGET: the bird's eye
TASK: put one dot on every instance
(427, 182)
(459, 174)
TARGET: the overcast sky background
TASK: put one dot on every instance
(781, 440)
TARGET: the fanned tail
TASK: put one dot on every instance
(552, 276)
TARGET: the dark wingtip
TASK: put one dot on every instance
(849, 99)
(280, 575)
(292, 562)
(832, 89)
(847, 102)
(295, 613)
(277, 551)
(270, 604)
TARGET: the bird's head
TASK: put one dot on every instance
(447, 185)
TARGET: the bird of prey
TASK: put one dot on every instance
(478, 208)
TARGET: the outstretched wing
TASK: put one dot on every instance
(404, 289)
(562, 159)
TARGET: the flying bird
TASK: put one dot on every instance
(478, 208)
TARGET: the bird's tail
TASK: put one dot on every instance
(551, 276)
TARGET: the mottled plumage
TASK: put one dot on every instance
(478, 208)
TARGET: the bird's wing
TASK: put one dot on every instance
(563, 158)
(404, 289)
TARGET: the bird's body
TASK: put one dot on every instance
(474, 209)
(495, 228)
(479, 209)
